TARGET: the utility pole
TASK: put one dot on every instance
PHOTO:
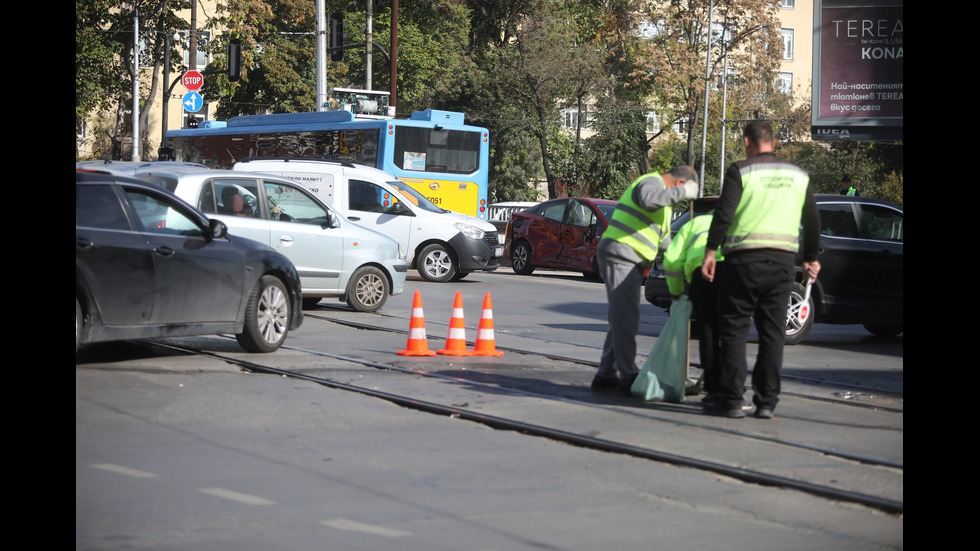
(136, 83)
(321, 57)
(393, 98)
(192, 60)
(370, 44)
(707, 86)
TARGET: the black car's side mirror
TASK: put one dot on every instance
(217, 228)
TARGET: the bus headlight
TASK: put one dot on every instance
(472, 232)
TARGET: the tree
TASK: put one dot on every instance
(104, 64)
(543, 68)
(674, 55)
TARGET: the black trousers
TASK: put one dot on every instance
(753, 287)
(704, 299)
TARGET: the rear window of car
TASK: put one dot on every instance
(837, 220)
(884, 223)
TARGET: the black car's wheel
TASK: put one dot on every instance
(799, 315)
(435, 264)
(884, 329)
(309, 303)
(266, 317)
(78, 324)
(367, 290)
(520, 258)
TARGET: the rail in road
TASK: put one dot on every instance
(823, 442)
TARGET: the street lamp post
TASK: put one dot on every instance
(704, 117)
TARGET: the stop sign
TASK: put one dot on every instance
(192, 80)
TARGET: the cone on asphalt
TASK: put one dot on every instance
(485, 345)
(456, 340)
(418, 344)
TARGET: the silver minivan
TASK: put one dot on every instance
(334, 256)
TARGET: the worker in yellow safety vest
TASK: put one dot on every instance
(682, 268)
(639, 229)
(756, 225)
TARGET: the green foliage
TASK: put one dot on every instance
(94, 56)
(874, 168)
(611, 154)
(510, 66)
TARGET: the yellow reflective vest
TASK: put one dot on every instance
(686, 253)
(768, 214)
(640, 229)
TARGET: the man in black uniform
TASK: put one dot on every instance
(756, 224)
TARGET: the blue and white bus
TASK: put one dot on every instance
(433, 151)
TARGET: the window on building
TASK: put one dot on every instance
(201, 116)
(788, 4)
(788, 43)
(570, 118)
(653, 122)
(785, 83)
(721, 32)
(203, 49)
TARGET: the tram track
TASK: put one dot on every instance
(531, 427)
(848, 390)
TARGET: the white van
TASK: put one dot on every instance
(442, 245)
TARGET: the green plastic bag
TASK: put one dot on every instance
(664, 375)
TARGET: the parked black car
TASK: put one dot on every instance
(149, 265)
(862, 270)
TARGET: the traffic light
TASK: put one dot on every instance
(234, 60)
(337, 36)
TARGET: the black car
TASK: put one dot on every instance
(861, 277)
(149, 265)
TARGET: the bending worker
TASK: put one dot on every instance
(639, 228)
(682, 268)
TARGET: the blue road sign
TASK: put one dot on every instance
(193, 102)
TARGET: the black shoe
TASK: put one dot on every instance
(721, 409)
(625, 386)
(604, 384)
(764, 413)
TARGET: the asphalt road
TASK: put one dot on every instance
(177, 451)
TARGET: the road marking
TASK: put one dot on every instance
(346, 524)
(236, 496)
(123, 470)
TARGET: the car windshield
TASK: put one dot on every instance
(415, 197)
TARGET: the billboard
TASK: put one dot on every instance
(858, 77)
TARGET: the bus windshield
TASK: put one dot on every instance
(414, 196)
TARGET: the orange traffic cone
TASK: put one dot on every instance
(418, 345)
(485, 345)
(456, 341)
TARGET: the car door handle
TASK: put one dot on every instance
(84, 244)
(164, 251)
(354, 218)
(286, 239)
